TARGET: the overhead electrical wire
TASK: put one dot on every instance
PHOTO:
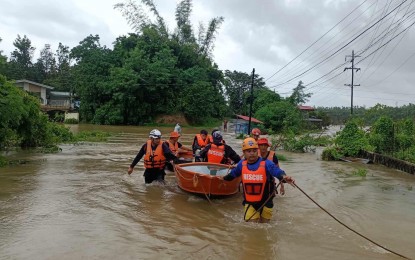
(341, 65)
(344, 46)
(320, 53)
(315, 42)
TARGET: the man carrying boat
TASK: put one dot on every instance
(155, 155)
(258, 182)
(175, 146)
(199, 142)
(218, 152)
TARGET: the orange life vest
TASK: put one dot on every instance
(174, 147)
(216, 153)
(254, 181)
(202, 143)
(271, 157)
(156, 158)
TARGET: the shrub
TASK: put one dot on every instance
(351, 139)
(332, 153)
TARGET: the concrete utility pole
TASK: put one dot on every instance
(251, 101)
(352, 85)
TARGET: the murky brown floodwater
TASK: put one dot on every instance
(81, 204)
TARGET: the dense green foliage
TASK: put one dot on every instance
(388, 137)
(22, 123)
(352, 139)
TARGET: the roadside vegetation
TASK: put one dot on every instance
(385, 136)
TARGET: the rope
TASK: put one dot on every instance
(349, 228)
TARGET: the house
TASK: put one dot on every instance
(39, 90)
(59, 99)
(49, 99)
(242, 122)
(305, 110)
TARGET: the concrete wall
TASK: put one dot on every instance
(72, 116)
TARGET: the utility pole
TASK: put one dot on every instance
(352, 85)
(251, 101)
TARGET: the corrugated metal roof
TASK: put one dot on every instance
(246, 118)
(306, 108)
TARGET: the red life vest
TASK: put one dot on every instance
(216, 153)
(254, 181)
(154, 159)
(174, 147)
(202, 143)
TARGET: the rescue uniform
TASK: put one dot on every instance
(175, 150)
(258, 184)
(154, 160)
(219, 153)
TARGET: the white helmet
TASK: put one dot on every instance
(155, 134)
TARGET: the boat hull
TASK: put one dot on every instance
(205, 184)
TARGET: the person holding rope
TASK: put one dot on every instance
(258, 182)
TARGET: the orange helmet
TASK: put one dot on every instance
(174, 134)
(256, 131)
(249, 143)
(263, 141)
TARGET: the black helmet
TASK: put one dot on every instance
(217, 136)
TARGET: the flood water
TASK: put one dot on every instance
(81, 204)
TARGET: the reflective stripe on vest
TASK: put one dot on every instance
(216, 153)
(156, 158)
(254, 182)
(202, 143)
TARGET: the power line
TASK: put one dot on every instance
(344, 46)
(315, 41)
(320, 53)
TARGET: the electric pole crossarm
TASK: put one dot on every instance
(352, 85)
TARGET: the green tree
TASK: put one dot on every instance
(299, 96)
(91, 72)
(238, 86)
(21, 59)
(3, 62)
(63, 79)
(280, 117)
(45, 67)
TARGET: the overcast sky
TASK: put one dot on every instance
(263, 34)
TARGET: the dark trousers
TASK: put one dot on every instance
(154, 174)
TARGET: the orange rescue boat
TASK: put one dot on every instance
(202, 178)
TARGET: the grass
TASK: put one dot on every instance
(92, 136)
(360, 172)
